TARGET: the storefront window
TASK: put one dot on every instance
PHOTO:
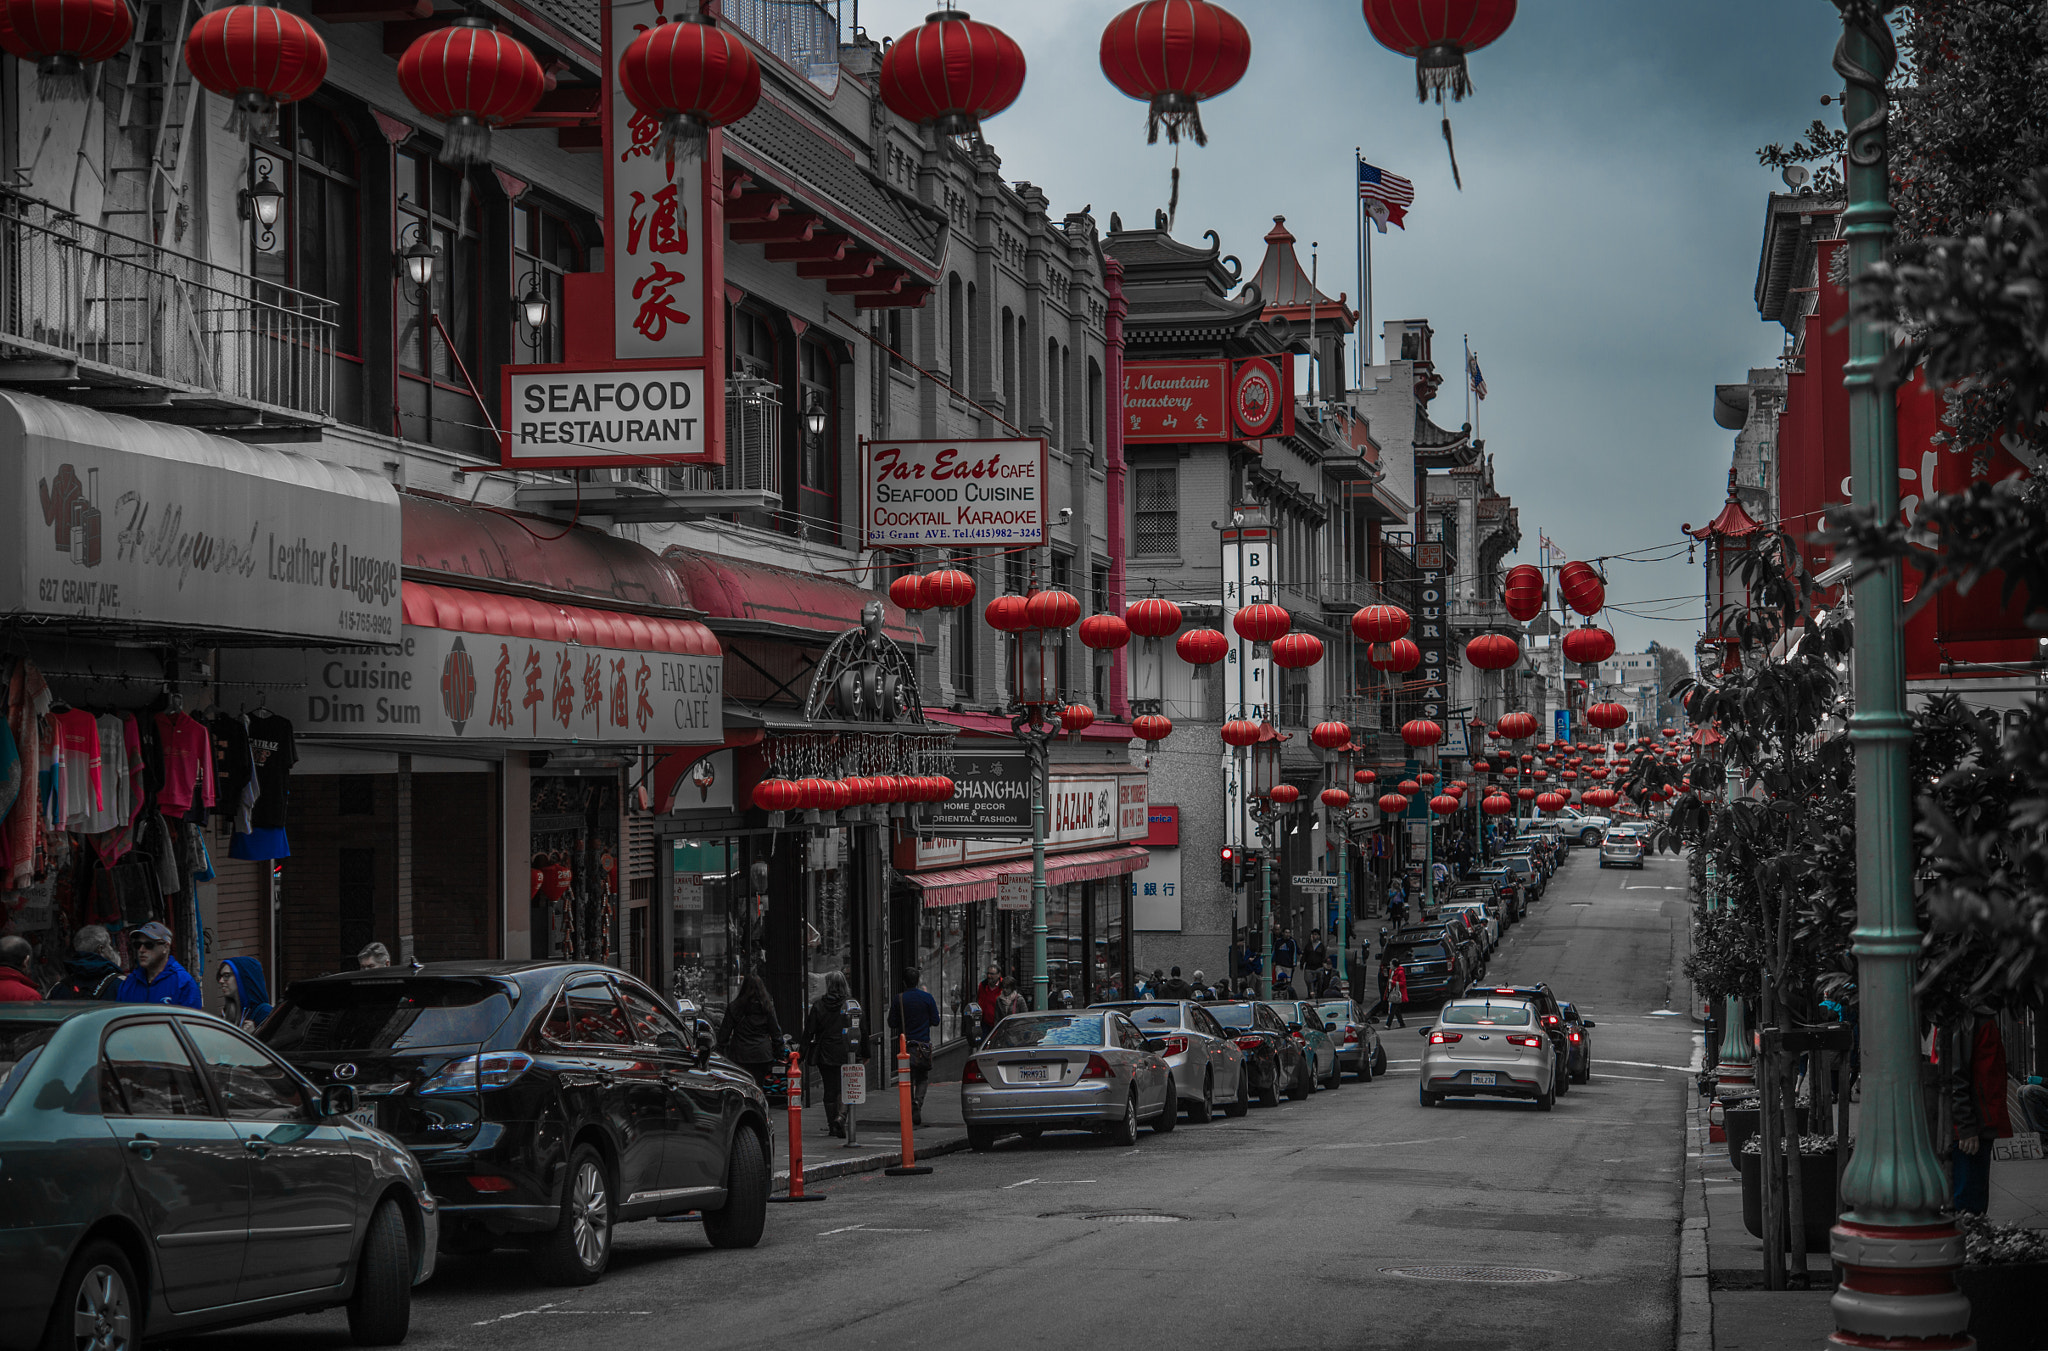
(575, 897)
(941, 953)
(713, 922)
(828, 924)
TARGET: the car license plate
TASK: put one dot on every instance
(1482, 1081)
(364, 1116)
(1034, 1074)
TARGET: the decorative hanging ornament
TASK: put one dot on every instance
(1581, 587)
(1007, 614)
(1240, 732)
(1607, 717)
(1421, 732)
(952, 73)
(1393, 804)
(1152, 617)
(1443, 804)
(473, 78)
(63, 37)
(261, 58)
(1330, 735)
(689, 76)
(1550, 802)
(1408, 788)
(1172, 54)
(1262, 623)
(1104, 632)
(1400, 656)
(1052, 609)
(1296, 651)
(1515, 726)
(1524, 592)
(1380, 623)
(949, 588)
(1438, 34)
(1336, 799)
(1152, 727)
(1496, 804)
(1077, 717)
(1588, 645)
(1426, 779)
(1286, 794)
(1202, 647)
(912, 592)
(1493, 652)
(776, 795)
(1365, 776)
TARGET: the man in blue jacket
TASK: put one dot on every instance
(158, 978)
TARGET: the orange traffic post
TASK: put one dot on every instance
(909, 1167)
(794, 1092)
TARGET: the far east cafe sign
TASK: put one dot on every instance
(644, 377)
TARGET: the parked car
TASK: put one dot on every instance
(1358, 1041)
(1489, 1047)
(1480, 909)
(1274, 1058)
(1207, 1066)
(1483, 891)
(1621, 848)
(1524, 867)
(1509, 888)
(1578, 1044)
(1308, 1026)
(546, 1102)
(165, 1174)
(1084, 1069)
(1435, 968)
(1584, 827)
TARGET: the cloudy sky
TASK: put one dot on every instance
(1601, 256)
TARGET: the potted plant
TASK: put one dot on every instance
(2005, 1269)
(1816, 1180)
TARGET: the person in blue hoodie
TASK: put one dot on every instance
(158, 977)
(244, 992)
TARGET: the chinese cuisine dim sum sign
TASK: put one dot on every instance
(952, 494)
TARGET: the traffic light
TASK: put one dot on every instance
(1233, 867)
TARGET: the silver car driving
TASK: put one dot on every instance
(1205, 1061)
(1489, 1047)
(1081, 1070)
(1622, 847)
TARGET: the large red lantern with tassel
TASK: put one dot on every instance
(260, 57)
(1588, 645)
(949, 588)
(1330, 735)
(1400, 656)
(1582, 588)
(1336, 799)
(1152, 727)
(1052, 609)
(1152, 617)
(776, 795)
(1515, 726)
(1077, 717)
(1365, 776)
(1493, 652)
(1262, 623)
(1421, 732)
(1240, 732)
(1297, 651)
(1008, 614)
(1439, 34)
(1171, 55)
(1380, 623)
(1104, 632)
(1284, 793)
(1496, 804)
(472, 77)
(952, 73)
(690, 77)
(1607, 717)
(1393, 804)
(1202, 647)
(1443, 804)
(911, 591)
(1524, 592)
(63, 37)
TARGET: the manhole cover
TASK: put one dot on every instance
(1113, 1217)
(1482, 1275)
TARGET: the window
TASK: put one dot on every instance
(1055, 409)
(1016, 573)
(252, 1086)
(1155, 499)
(1294, 702)
(314, 247)
(1012, 396)
(438, 205)
(966, 376)
(147, 1073)
(817, 459)
(965, 631)
(894, 334)
(586, 1015)
(1095, 401)
(1098, 587)
(545, 248)
(755, 350)
(647, 1019)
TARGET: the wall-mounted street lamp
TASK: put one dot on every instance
(533, 312)
(814, 416)
(262, 203)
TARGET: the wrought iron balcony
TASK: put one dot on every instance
(803, 33)
(81, 306)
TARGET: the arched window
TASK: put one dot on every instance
(315, 245)
(1095, 398)
(956, 332)
(1012, 396)
(1055, 407)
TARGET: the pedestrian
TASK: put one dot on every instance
(1199, 987)
(2033, 1098)
(15, 985)
(915, 1013)
(244, 992)
(1175, 987)
(1973, 1073)
(373, 956)
(1397, 904)
(1286, 952)
(158, 978)
(831, 1043)
(1397, 995)
(1315, 959)
(94, 971)
(1283, 983)
(750, 1035)
(989, 995)
(1013, 1001)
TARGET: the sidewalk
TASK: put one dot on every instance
(878, 1122)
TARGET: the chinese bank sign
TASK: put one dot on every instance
(487, 688)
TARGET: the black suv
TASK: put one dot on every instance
(1434, 958)
(545, 1101)
(1549, 1013)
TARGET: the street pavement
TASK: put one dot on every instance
(1284, 1229)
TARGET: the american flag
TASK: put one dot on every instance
(1472, 370)
(1391, 191)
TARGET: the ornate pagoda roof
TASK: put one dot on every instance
(1289, 293)
(1732, 523)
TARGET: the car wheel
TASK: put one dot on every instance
(1125, 1132)
(981, 1139)
(739, 1222)
(1336, 1079)
(1380, 1065)
(1243, 1102)
(380, 1310)
(1205, 1106)
(578, 1249)
(96, 1304)
(1428, 1098)
(1545, 1100)
(1564, 1082)
(1269, 1096)
(1589, 837)
(1169, 1111)
(1585, 1076)
(1303, 1085)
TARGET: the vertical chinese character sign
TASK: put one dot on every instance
(658, 240)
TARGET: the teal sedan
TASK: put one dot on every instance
(1311, 1031)
(161, 1174)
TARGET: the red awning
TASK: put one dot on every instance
(465, 543)
(958, 886)
(998, 724)
(465, 611)
(765, 598)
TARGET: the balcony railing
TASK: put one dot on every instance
(129, 312)
(753, 442)
(803, 33)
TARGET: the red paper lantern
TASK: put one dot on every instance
(1240, 732)
(1400, 656)
(1607, 717)
(1330, 735)
(1007, 614)
(1421, 732)
(1588, 645)
(1443, 804)
(1550, 802)
(1077, 717)
(1152, 727)
(1496, 804)
(1262, 623)
(951, 73)
(942, 789)
(1515, 726)
(1172, 54)
(1285, 794)
(910, 591)
(949, 588)
(1670, 733)
(1100, 632)
(1380, 623)
(1052, 609)
(776, 795)
(1336, 799)
(1524, 592)
(1425, 778)
(1365, 776)
(260, 57)
(1581, 588)
(63, 37)
(811, 794)
(1202, 647)
(472, 77)
(1296, 651)
(1526, 794)
(1493, 652)
(1152, 617)
(689, 77)
(1393, 804)
(1408, 788)
(1438, 34)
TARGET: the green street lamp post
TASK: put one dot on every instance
(1897, 1252)
(1266, 811)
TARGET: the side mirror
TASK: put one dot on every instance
(704, 1044)
(337, 1100)
(1586, 1022)
(1155, 1045)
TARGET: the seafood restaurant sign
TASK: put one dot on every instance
(951, 494)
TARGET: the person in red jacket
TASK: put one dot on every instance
(1973, 1075)
(15, 986)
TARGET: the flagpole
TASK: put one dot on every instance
(1358, 212)
(1468, 380)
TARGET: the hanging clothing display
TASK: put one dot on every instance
(188, 764)
(78, 767)
(272, 753)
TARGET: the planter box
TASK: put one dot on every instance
(1817, 1177)
(1742, 1123)
(2005, 1305)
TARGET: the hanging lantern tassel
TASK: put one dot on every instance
(1451, 147)
(253, 117)
(1439, 70)
(1179, 114)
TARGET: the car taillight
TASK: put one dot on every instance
(1445, 1038)
(474, 1073)
(1525, 1041)
(1575, 1036)
(1250, 1043)
(972, 1073)
(1551, 1020)
(1351, 1036)
(1174, 1046)
(1098, 1068)
(490, 1184)
(1296, 1036)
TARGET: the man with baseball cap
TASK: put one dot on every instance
(157, 977)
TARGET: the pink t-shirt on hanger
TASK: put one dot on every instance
(188, 764)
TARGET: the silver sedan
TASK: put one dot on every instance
(1357, 1041)
(1082, 1070)
(1489, 1048)
(1204, 1059)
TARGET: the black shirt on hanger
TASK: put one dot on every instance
(270, 745)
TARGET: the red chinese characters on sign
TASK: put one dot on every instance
(593, 688)
(564, 706)
(667, 226)
(658, 310)
(619, 692)
(535, 696)
(1167, 401)
(501, 689)
(643, 707)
